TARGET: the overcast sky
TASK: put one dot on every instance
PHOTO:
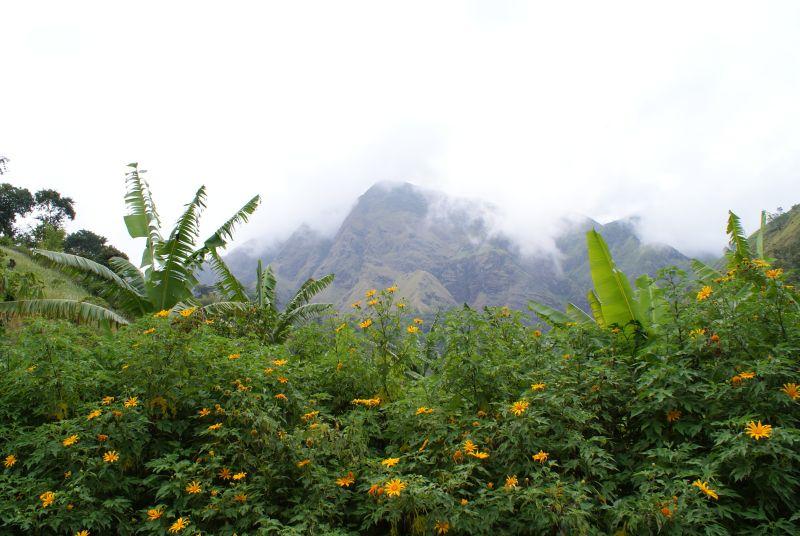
(672, 111)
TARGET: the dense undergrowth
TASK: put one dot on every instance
(471, 423)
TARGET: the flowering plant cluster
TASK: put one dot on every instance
(469, 422)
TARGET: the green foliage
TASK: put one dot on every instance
(463, 406)
(168, 265)
(14, 202)
(262, 315)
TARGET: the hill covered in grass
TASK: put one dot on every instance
(782, 242)
(56, 284)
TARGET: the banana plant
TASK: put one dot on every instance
(613, 302)
(167, 273)
(273, 324)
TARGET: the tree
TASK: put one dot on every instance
(272, 324)
(53, 208)
(168, 266)
(14, 202)
(87, 244)
(3, 164)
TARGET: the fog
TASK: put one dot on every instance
(672, 112)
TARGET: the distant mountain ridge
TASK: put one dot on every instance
(441, 253)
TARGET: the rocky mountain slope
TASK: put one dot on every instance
(441, 253)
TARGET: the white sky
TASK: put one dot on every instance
(675, 111)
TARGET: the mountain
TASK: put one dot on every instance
(441, 253)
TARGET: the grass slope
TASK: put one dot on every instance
(56, 284)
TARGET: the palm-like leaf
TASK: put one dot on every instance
(289, 318)
(226, 307)
(578, 315)
(308, 290)
(760, 235)
(266, 287)
(611, 285)
(597, 309)
(225, 232)
(142, 220)
(704, 272)
(228, 285)
(549, 315)
(82, 312)
(130, 273)
(738, 240)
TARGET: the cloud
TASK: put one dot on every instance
(672, 112)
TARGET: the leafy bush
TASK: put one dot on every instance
(475, 422)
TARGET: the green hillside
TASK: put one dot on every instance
(782, 241)
(56, 284)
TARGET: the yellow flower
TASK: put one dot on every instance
(540, 456)
(512, 482)
(412, 329)
(68, 474)
(479, 455)
(370, 293)
(234, 356)
(390, 462)
(240, 497)
(111, 456)
(401, 305)
(179, 525)
(340, 327)
(372, 303)
(188, 312)
(346, 481)
(149, 331)
(94, 414)
(107, 400)
(747, 375)
(132, 402)
(761, 263)
(164, 313)
(537, 386)
(441, 527)
(71, 440)
(697, 332)
(83, 532)
(154, 513)
(269, 370)
(791, 390)
(281, 396)
(9, 461)
(757, 431)
(392, 289)
(418, 321)
(356, 305)
(283, 379)
(774, 274)
(102, 437)
(464, 502)
(394, 487)
(225, 473)
(204, 412)
(519, 407)
(469, 446)
(310, 416)
(673, 415)
(423, 410)
(279, 362)
(365, 324)
(193, 487)
(367, 402)
(216, 426)
(240, 476)
(303, 463)
(703, 486)
(704, 293)
(47, 498)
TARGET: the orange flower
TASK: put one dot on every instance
(757, 431)
(418, 321)
(240, 497)
(703, 486)
(303, 463)
(511, 482)
(194, 487)
(375, 490)
(283, 379)
(479, 455)
(540, 456)
(102, 437)
(9, 461)
(791, 390)
(394, 487)
(370, 293)
(519, 407)
(423, 410)
(132, 402)
(346, 481)
(281, 396)
(111, 456)
(179, 525)
(470, 447)
(673, 415)
(204, 412)
(216, 426)
(774, 273)
(538, 386)
(412, 329)
(71, 440)
(47, 498)
(704, 293)
(365, 324)
(392, 289)
(240, 476)
(107, 400)
(279, 362)
(441, 527)
(464, 502)
(372, 303)
(149, 331)
(666, 512)
(164, 313)
(154, 514)
(390, 462)
(225, 473)
(94, 414)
